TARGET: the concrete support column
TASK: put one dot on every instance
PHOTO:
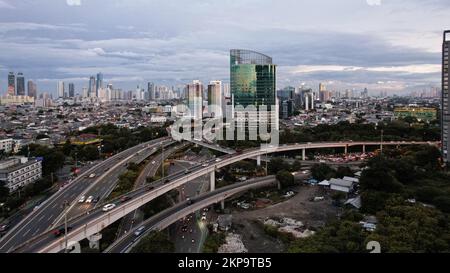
(303, 154)
(346, 149)
(258, 160)
(212, 181)
(222, 204)
(364, 149)
(94, 241)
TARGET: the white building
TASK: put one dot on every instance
(6, 145)
(60, 89)
(18, 172)
(341, 185)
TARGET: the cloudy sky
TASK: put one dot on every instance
(391, 45)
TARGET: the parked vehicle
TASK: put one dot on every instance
(89, 199)
(82, 199)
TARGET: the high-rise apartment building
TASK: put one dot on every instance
(99, 83)
(60, 89)
(11, 84)
(195, 99)
(32, 89)
(215, 97)
(20, 88)
(445, 117)
(71, 90)
(92, 92)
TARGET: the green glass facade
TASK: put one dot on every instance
(252, 78)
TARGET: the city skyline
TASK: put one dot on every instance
(387, 50)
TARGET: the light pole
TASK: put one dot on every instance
(162, 159)
(66, 204)
(381, 144)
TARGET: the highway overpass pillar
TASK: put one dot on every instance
(212, 181)
(94, 241)
(364, 149)
(222, 204)
(303, 154)
(258, 160)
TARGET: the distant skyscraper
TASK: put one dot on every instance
(60, 89)
(71, 90)
(151, 91)
(195, 100)
(99, 83)
(322, 87)
(11, 84)
(215, 97)
(445, 119)
(32, 89)
(92, 87)
(20, 84)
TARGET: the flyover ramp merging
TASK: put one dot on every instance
(169, 216)
(43, 217)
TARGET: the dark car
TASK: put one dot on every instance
(166, 181)
(190, 201)
(150, 188)
(96, 199)
(61, 231)
(125, 198)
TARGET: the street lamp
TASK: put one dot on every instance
(65, 205)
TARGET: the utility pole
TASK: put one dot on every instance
(267, 170)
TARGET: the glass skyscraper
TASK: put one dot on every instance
(252, 78)
(445, 117)
(11, 84)
(20, 85)
(253, 83)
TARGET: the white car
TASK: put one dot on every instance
(92, 175)
(139, 231)
(108, 207)
(205, 165)
(153, 162)
(82, 198)
(89, 199)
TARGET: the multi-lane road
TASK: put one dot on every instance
(50, 210)
(171, 215)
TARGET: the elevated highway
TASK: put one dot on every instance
(92, 223)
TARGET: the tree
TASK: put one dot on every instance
(296, 166)
(322, 171)
(285, 178)
(155, 242)
(277, 164)
(343, 171)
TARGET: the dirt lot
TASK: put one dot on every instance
(299, 207)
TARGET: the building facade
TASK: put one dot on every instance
(6, 145)
(11, 84)
(445, 117)
(253, 83)
(215, 99)
(71, 90)
(421, 113)
(99, 83)
(19, 172)
(32, 89)
(60, 89)
(20, 87)
(195, 99)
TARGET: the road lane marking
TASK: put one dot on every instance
(25, 234)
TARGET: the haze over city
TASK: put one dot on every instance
(384, 45)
